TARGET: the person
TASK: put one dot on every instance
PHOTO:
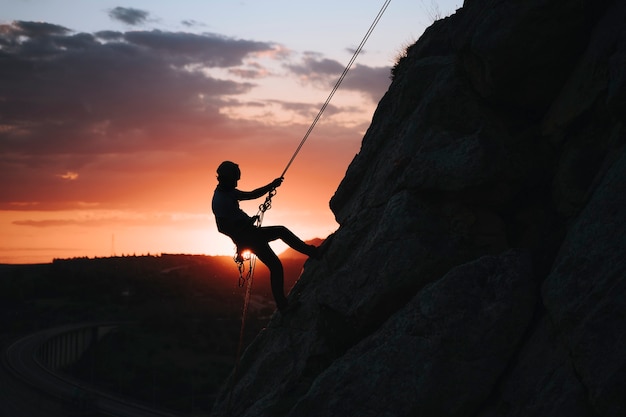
(233, 222)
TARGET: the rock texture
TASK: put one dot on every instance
(480, 264)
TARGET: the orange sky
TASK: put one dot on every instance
(111, 141)
(158, 201)
(110, 137)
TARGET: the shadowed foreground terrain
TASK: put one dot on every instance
(185, 314)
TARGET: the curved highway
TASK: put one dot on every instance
(29, 389)
(18, 399)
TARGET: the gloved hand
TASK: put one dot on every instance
(277, 182)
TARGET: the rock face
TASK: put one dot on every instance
(480, 264)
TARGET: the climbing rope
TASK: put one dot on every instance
(247, 278)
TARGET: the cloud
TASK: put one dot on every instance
(32, 30)
(110, 91)
(69, 175)
(191, 23)
(117, 218)
(372, 81)
(211, 50)
(129, 15)
(137, 112)
(21, 204)
(45, 223)
(308, 110)
(315, 67)
(324, 72)
(253, 70)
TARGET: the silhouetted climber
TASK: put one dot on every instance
(236, 224)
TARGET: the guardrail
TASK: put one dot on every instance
(63, 349)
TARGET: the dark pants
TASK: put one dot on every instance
(257, 239)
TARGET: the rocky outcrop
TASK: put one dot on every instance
(479, 268)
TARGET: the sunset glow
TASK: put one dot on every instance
(112, 122)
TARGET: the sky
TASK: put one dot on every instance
(114, 116)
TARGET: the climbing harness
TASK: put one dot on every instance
(246, 278)
(242, 254)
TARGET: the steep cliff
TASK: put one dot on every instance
(480, 264)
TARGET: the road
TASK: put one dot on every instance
(18, 399)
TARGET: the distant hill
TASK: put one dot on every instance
(292, 253)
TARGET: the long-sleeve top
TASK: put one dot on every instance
(231, 220)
